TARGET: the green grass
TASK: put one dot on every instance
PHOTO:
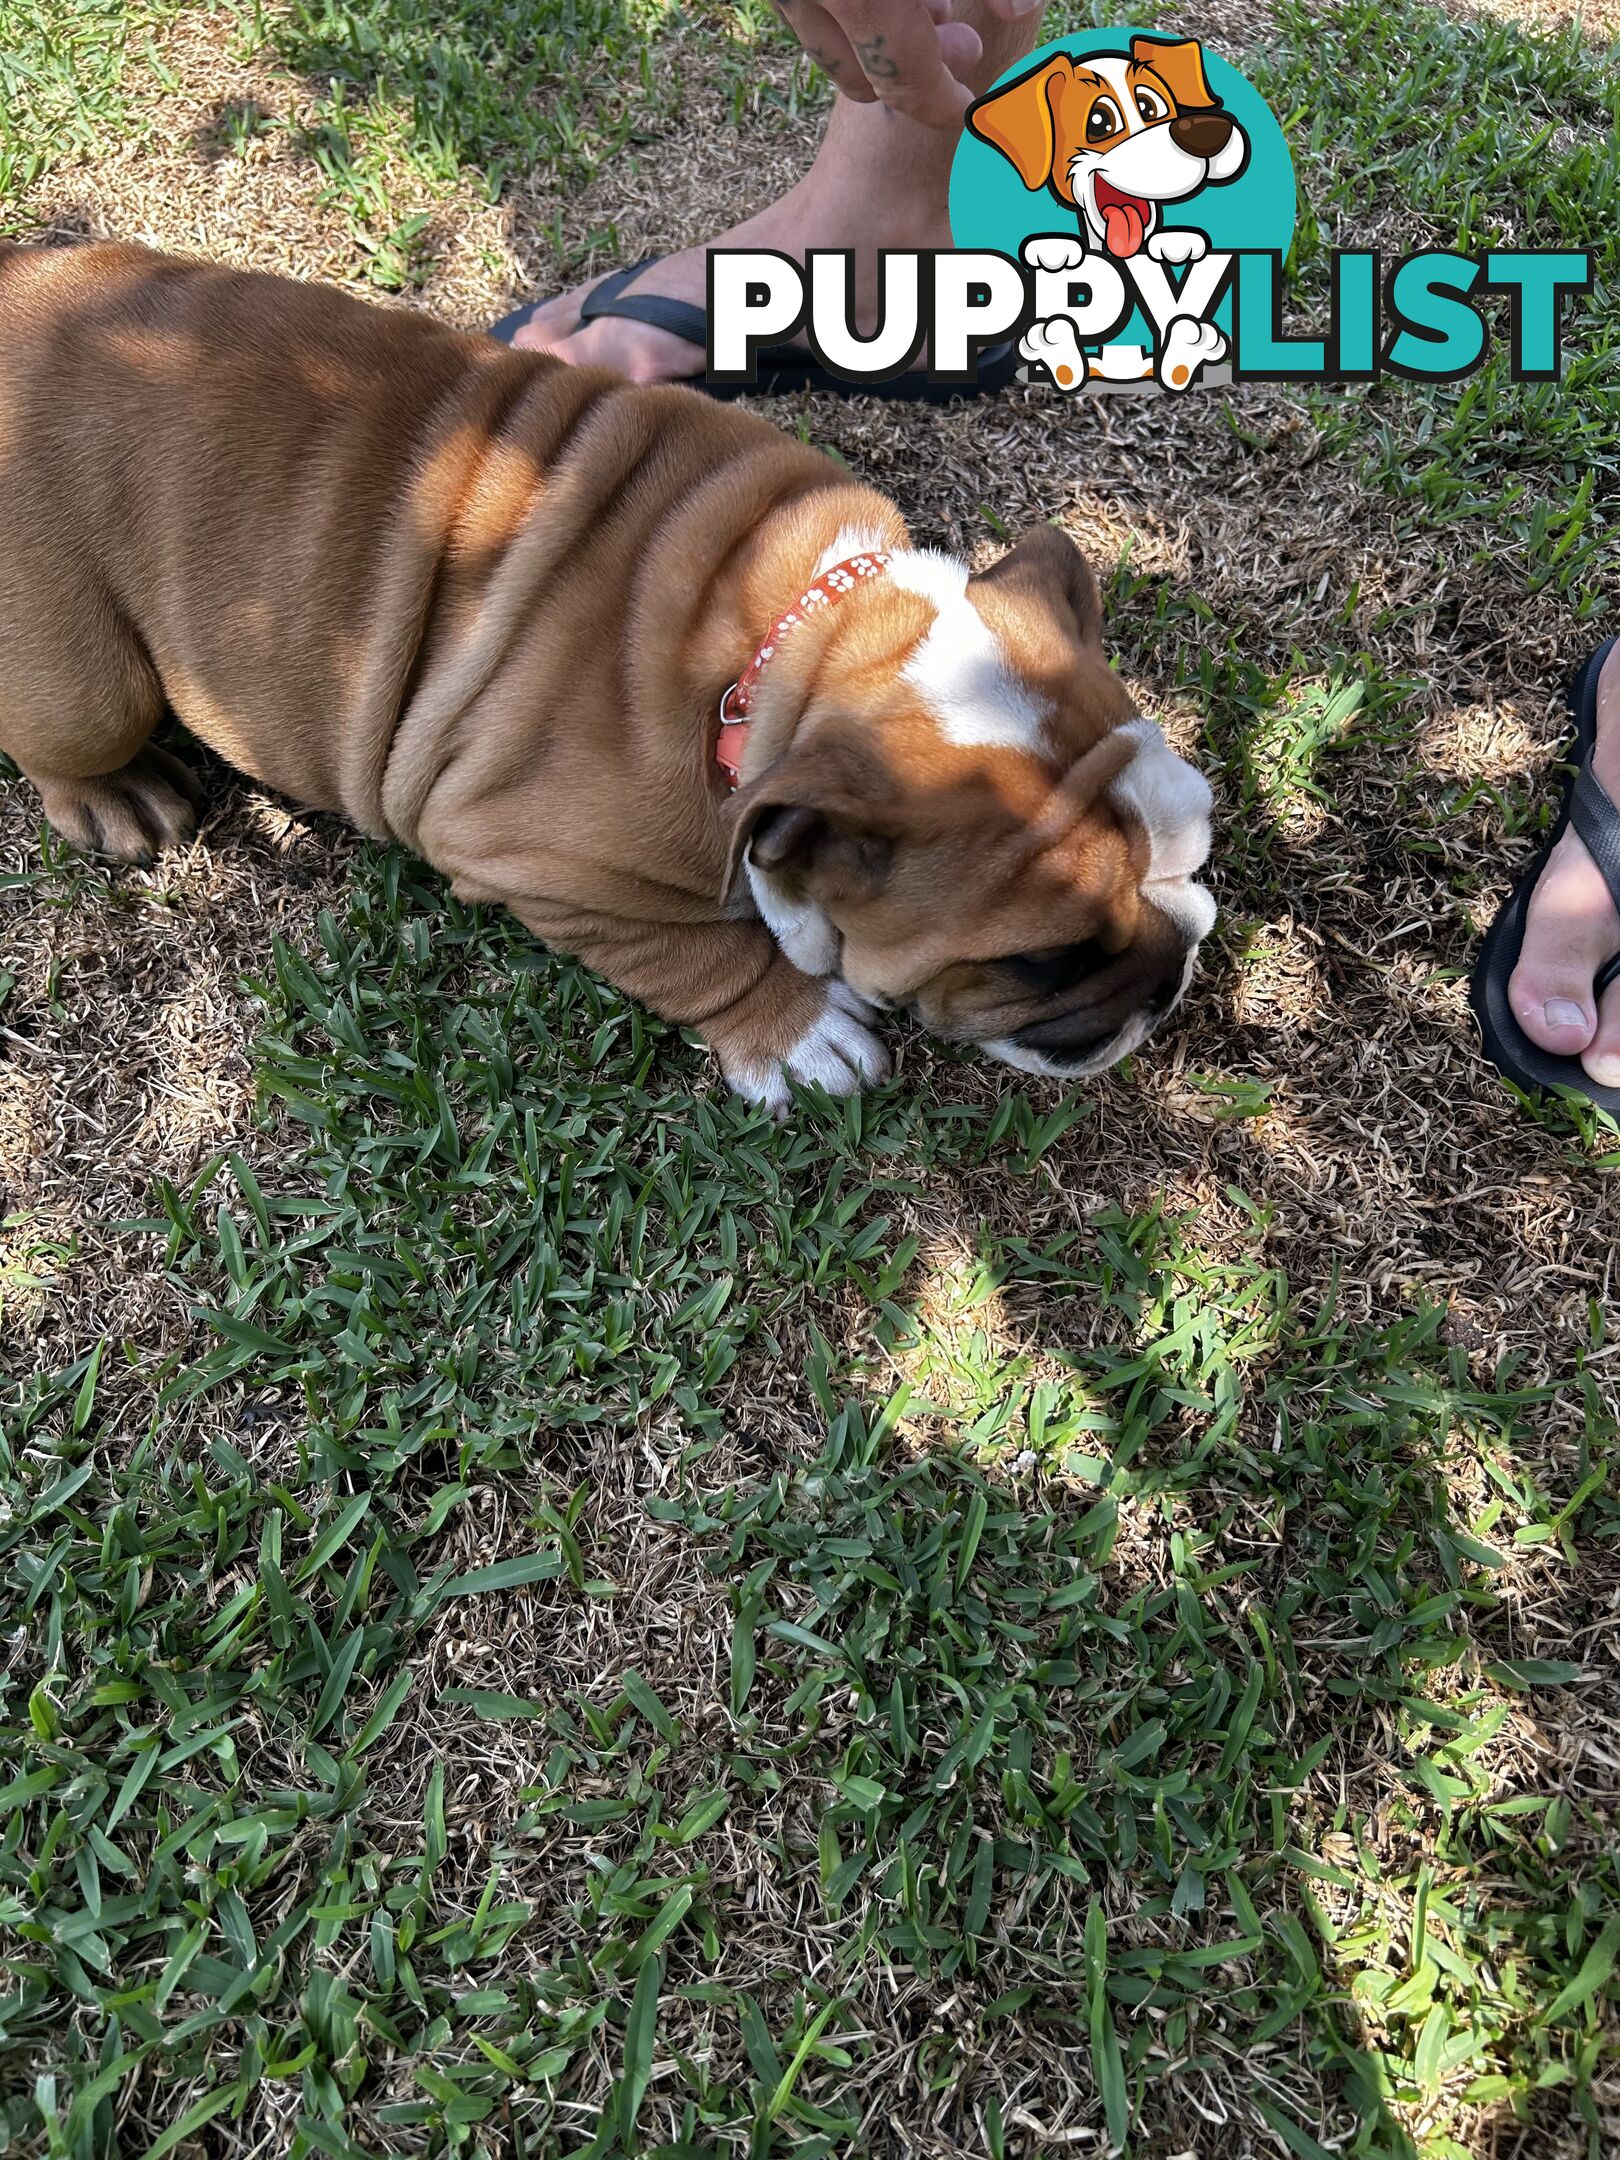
(1274, 733)
(409, 97)
(1156, 1744)
(412, 99)
(71, 76)
(1070, 1753)
(1523, 157)
(1132, 1678)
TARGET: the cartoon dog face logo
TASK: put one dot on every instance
(1116, 135)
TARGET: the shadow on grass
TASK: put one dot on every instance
(1123, 1714)
(489, 86)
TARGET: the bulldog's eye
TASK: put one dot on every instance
(1060, 968)
(1151, 106)
(1103, 119)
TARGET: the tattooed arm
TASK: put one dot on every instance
(906, 54)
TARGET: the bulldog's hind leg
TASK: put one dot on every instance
(134, 813)
(77, 720)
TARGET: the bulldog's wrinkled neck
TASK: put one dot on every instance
(767, 566)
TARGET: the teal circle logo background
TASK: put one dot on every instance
(990, 207)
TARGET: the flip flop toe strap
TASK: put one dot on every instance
(1593, 814)
(660, 311)
(1595, 818)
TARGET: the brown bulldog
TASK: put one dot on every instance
(489, 606)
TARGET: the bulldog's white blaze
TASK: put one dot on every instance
(971, 688)
(838, 1051)
(1171, 798)
(931, 574)
(801, 927)
(1188, 904)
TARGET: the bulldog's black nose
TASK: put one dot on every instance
(1201, 134)
(1077, 1037)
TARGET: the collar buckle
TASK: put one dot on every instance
(728, 744)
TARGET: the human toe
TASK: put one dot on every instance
(1570, 931)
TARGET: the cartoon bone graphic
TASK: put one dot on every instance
(1186, 348)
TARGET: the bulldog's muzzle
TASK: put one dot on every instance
(1091, 1037)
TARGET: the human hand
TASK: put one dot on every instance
(906, 54)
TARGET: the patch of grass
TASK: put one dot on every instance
(71, 77)
(1092, 1781)
(1143, 1764)
(1523, 158)
(1274, 733)
(495, 88)
(412, 98)
(607, 1247)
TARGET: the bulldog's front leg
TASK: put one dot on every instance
(792, 1026)
(767, 1022)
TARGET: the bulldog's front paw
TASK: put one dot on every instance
(1189, 346)
(836, 1049)
(1178, 244)
(1053, 345)
(1054, 251)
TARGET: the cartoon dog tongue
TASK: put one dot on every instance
(1124, 223)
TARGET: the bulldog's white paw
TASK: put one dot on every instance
(838, 1051)
(1053, 345)
(1054, 251)
(1178, 244)
(1188, 347)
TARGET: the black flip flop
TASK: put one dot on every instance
(780, 369)
(1588, 808)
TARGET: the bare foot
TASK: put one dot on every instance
(1572, 928)
(878, 181)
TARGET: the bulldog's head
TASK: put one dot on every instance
(1116, 134)
(971, 818)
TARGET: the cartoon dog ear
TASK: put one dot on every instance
(1048, 566)
(1018, 121)
(1179, 65)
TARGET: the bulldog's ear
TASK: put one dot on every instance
(1048, 566)
(815, 817)
(1179, 65)
(1018, 121)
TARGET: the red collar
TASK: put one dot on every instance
(832, 584)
